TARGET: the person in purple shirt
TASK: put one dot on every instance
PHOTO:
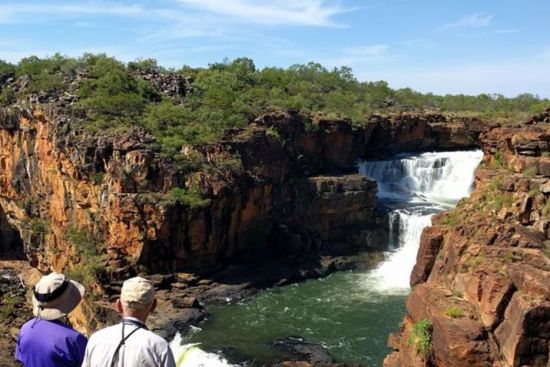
(46, 340)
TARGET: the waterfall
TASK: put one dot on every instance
(415, 188)
(343, 311)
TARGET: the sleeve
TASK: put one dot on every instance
(17, 352)
(168, 358)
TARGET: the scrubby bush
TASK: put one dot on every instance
(113, 95)
(189, 197)
(454, 312)
(421, 337)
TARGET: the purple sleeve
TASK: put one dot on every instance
(78, 349)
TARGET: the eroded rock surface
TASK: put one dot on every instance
(482, 277)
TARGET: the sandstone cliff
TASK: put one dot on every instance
(102, 207)
(481, 284)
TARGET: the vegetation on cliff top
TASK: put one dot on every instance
(109, 94)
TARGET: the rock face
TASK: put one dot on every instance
(56, 179)
(482, 277)
(103, 207)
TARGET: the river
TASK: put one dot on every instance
(349, 313)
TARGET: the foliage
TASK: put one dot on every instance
(6, 70)
(189, 197)
(114, 95)
(530, 172)
(452, 218)
(97, 177)
(497, 160)
(47, 75)
(454, 312)
(502, 200)
(38, 227)
(91, 262)
(9, 307)
(421, 337)
(7, 96)
(474, 261)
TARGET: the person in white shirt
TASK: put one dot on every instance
(129, 343)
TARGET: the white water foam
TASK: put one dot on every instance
(190, 355)
(426, 184)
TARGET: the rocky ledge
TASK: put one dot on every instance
(481, 284)
(279, 194)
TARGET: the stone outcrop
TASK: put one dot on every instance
(102, 207)
(482, 277)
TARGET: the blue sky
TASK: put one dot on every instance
(451, 46)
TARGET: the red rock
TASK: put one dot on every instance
(430, 244)
(544, 166)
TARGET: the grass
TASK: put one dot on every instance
(452, 219)
(475, 261)
(529, 172)
(495, 184)
(454, 312)
(497, 161)
(502, 200)
(421, 337)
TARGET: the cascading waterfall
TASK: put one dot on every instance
(425, 184)
(350, 313)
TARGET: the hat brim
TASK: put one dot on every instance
(60, 306)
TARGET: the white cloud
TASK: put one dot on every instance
(271, 12)
(477, 20)
(16, 13)
(501, 31)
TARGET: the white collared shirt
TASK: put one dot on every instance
(143, 348)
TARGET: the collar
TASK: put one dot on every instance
(133, 320)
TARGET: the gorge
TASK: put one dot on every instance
(349, 313)
(278, 202)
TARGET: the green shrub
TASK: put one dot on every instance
(474, 262)
(502, 200)
(454, 312)
(188, 197)
(7, 96)
(421, 337)
(113, 95)
(530, 171)
(6, 70)
(498, 161)
(91, 262)
(8, 308)
(97, 177)
(46, 75)
(452, 218)
(38, 227)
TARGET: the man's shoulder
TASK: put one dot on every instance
(154, 338)
(105, 332)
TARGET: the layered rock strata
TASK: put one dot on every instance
(481, 284)
(101, 206)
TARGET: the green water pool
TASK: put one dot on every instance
(346, 313)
